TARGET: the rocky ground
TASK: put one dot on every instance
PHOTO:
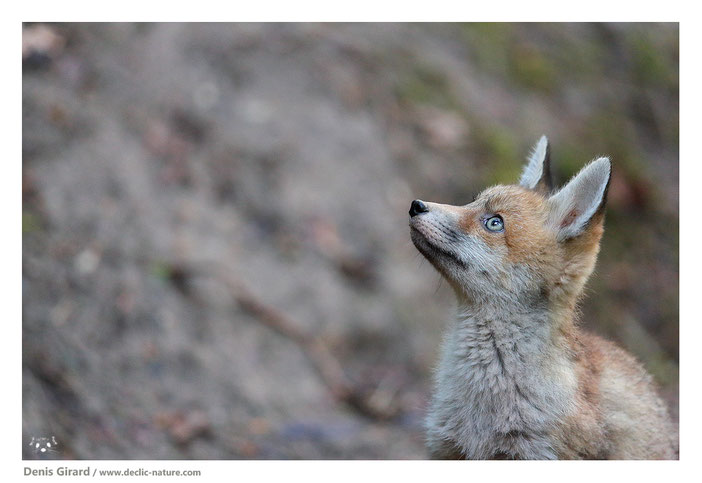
(205, 206)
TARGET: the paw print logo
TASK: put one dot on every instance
(44, 445)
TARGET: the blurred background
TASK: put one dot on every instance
(216, 258)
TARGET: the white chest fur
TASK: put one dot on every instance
(501, 386)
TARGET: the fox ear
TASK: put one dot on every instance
(578, 202)
(537, 172)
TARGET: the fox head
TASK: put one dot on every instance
(518, 243)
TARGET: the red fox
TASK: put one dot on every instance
(517, 378)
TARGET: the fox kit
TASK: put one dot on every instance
(517, 379)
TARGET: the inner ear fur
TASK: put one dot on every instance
(536, 174)
(581, 203)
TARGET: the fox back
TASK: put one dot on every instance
(517, 379)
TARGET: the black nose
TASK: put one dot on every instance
(418, 206)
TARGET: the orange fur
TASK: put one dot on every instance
(518, 379)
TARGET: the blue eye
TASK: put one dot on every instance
(495, 223)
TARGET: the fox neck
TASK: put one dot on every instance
(519, 334)
(504, 370)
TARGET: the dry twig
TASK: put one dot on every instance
(315, 349)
